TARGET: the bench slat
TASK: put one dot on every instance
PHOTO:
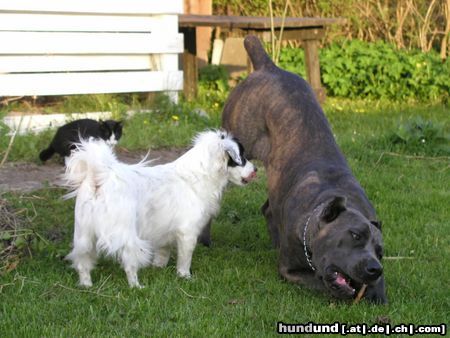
(254, 22)
(76, 63)
(89, 43)
(94, 83)
(94, 6)
(86, 23)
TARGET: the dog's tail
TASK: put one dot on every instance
(89, 165)
(257, 54)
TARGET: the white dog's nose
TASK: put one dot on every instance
(252, 175)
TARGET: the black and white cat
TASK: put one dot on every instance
(70, 133)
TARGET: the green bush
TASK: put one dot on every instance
(377, 71)
(422, 136)
(293, 60)
(214, 77)
(213, 89)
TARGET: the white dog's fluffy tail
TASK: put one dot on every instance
(105, 210)
(89, 164)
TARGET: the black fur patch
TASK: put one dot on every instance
(231, 163)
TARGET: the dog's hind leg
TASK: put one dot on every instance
(162, 256)
(83, 255)
(83, 263)
(134, 254)
(130, 266)
(185, 246)
(132, 277)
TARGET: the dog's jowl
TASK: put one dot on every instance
(318, 215)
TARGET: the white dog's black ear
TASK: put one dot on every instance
(233, 150)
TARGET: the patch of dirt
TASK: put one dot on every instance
(27, 177)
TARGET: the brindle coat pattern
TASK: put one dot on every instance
(277, 118)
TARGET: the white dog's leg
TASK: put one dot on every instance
(130, 265)
(83, 254)
(85, 265)
(83, 260)
(132, 277)
(162, 256)
(185, 246)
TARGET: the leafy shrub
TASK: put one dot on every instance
(293, 60)
(214, 77)
(213, 88)
(419, 135)
(377, 71)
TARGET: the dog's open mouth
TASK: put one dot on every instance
(249, 178)
(340, 284)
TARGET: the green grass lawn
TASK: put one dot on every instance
(235, 289)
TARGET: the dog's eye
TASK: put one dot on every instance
(355, 236)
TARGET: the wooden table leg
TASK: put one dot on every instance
(190, 69)
(313, 67)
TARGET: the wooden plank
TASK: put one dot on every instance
(89, 43)
(89, 83)
(190, 75)
(313, 67)
(190, 66)
(85, 23)
(290, 34)
(303, 34)
(95, 6)
(253, 22)
(73, 63)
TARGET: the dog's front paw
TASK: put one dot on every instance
(85, 280)
(184, 274)
(137, 286)
(86, 284)
(376, 293)
(134, 283)
(375, 297)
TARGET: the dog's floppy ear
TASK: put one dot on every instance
(118, 125)
(333, 208)
(377, 224)
(233, 150)
(103, 125)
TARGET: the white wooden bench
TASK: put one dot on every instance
(61, 47)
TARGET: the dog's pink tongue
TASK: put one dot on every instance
(341, 279)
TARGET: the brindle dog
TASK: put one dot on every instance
(317, 213)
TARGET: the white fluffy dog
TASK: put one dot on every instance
(136, 213)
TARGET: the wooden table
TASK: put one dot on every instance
(307, 30)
